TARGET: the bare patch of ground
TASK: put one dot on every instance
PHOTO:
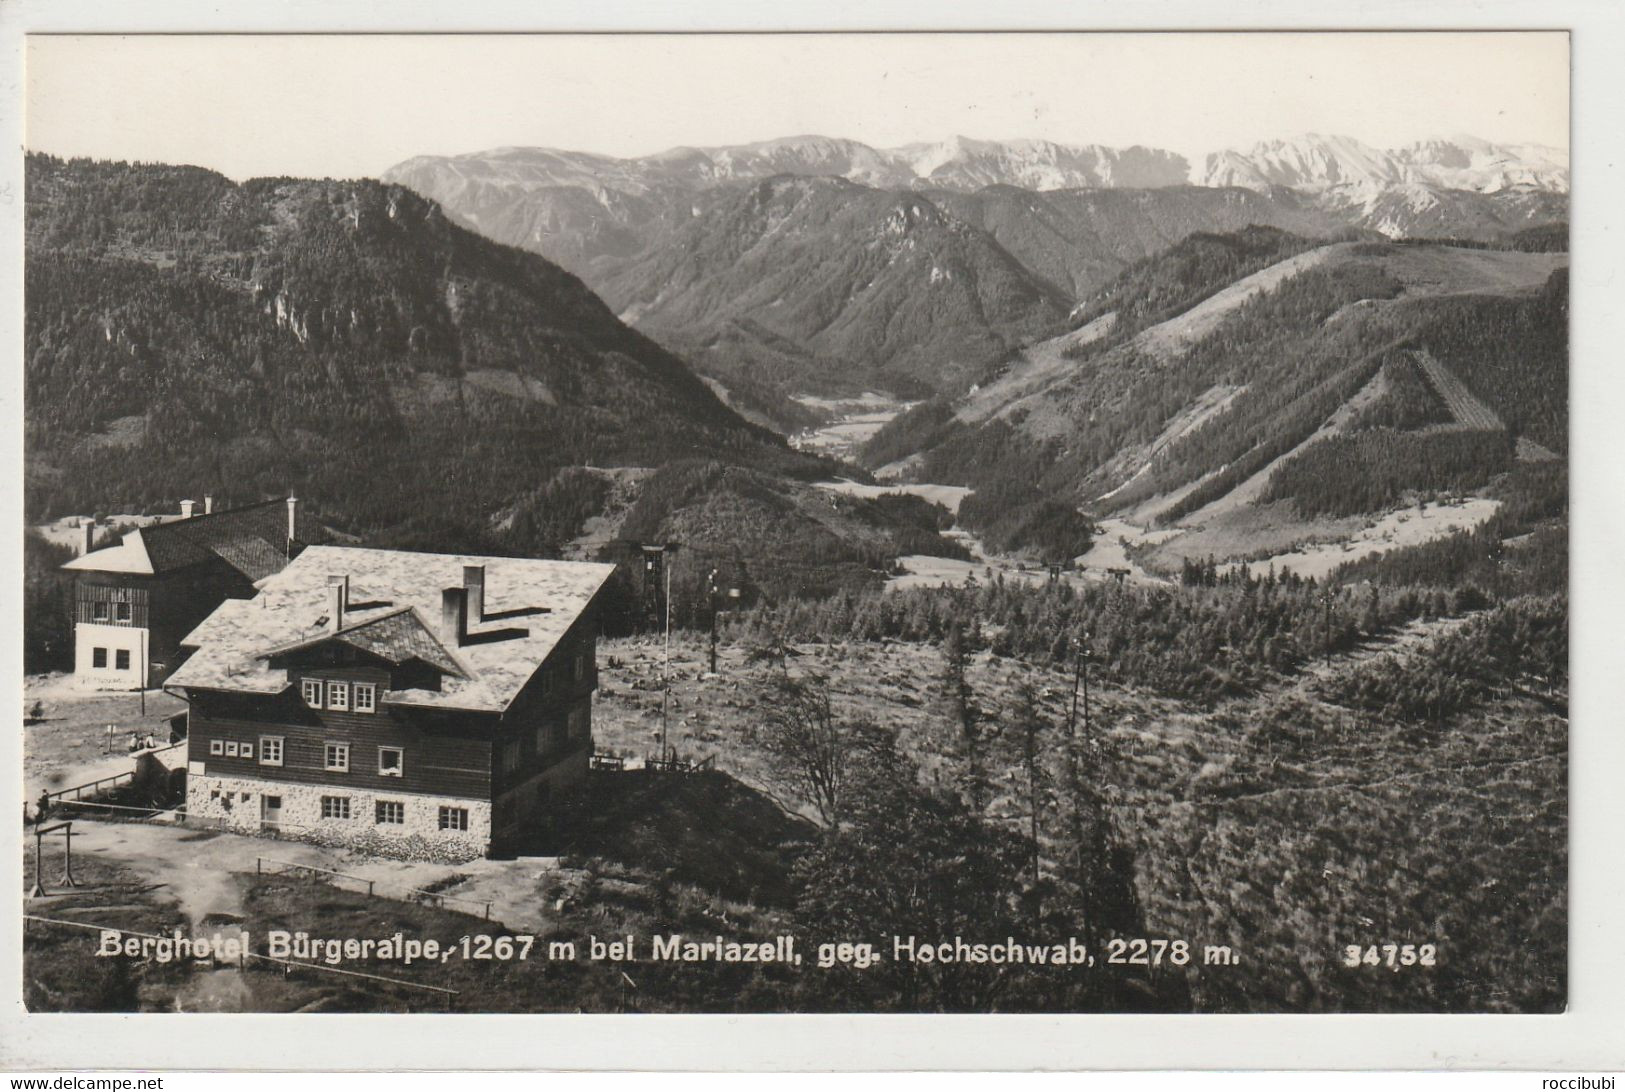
(856, 420)
(598, 531)
(1169, 339)
(1275, 535)
(1248, 492)
(1392, 531)
(67, 744)
(948, 496)
(1038, 367)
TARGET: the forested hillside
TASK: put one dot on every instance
(871, 287)
(1348, 378)
(186, 334)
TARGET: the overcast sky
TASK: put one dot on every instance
(348, 106)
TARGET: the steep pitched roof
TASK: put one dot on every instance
(529, 605)
(397, 636)
(252, 539)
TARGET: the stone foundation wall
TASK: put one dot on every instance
(236, 803)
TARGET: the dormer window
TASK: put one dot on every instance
(338, 695)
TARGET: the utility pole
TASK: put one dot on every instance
(1326, 646)
(665, 689)
(711, 594)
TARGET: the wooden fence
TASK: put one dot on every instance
(414, 894)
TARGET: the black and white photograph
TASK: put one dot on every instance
(825, 523)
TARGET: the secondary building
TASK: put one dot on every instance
(408, 703)
(133, 602)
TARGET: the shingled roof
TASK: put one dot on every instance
(252, 539)
(398, 637)
(529, 606)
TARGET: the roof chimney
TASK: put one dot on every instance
(474, 584)
(454, 616)
(293, 518)
(338, 601)
(208, 504)
(186, 508)
(87, 535)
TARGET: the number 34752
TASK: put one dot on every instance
(1391, 955)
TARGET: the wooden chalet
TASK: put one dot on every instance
(416, 704)
(133, 602)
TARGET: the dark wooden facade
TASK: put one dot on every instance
(469, 754)
(169, 605)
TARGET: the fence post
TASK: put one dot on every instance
(488, 911)
(369, 889)
(257, 871)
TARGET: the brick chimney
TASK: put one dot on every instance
(87, 535)
(474, 584)
(454, 616)
(293, 518)
(208, 504)
(338, 601)
(186, 508)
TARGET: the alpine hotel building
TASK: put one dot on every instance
(405, 702)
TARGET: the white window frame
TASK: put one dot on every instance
(245, 750)
(338, 695)
(269, 746)
(343, 763)
(333, 805)
(122, 612)
(100, 612)
(371, 692)
(400, 762)
(217, 747)
(306, 686)
(231, 748)
(453, 818)
(382, 807)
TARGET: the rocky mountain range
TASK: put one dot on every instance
(815, 264)
(1316, 163)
